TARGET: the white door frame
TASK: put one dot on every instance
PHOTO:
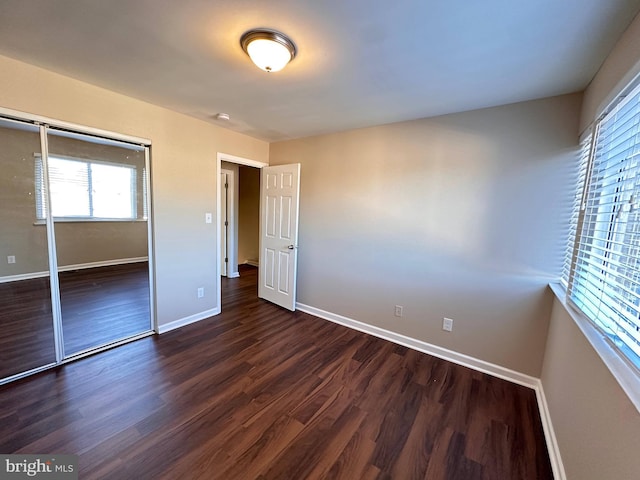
(225, 157)
(229, 269)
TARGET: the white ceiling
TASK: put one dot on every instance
(359, 63)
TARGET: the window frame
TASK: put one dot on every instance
(42, 207)
(567, 281)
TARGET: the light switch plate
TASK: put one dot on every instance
(447, 324)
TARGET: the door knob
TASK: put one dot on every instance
(291, 247)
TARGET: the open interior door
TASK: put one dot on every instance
(224, 224)
(279, 201)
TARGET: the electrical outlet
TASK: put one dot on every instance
(447, 324)
(398, 311)
(208, 218)
(11, 259)
(200, 292)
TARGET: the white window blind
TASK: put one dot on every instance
(82, 189)
(605, 278)
(577, 185)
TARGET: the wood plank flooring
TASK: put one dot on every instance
(26, 326)
(262, 393)
(99, 306)
(104, 304)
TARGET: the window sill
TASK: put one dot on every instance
(92, 220)
(624, 373)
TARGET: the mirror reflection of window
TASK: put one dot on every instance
(84, 189)
(97, 195)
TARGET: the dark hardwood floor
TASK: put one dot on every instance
(26, 326)
(258, 392)
(105, 304)
(99, 306)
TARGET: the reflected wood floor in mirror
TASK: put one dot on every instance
(26, 326)
(104, 304)
(99, 306)
(259, 392)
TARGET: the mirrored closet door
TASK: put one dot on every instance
(98, 203)
(75, 270)
(26, 321)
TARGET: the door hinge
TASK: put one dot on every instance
(226, 185)
(226, 260)
(226, 224)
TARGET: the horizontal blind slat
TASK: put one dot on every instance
(605, 275)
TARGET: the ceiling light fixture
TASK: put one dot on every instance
(269, 49)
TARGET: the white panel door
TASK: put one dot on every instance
(279, 200)
(224, 223)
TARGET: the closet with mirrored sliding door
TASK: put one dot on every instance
(76, 274)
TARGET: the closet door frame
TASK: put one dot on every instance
(53, 258)
(44, 124)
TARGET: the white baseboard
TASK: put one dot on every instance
(550, 435)
(253, 263)
(424, 347)
(181, 322)
(466, 361)
(103, 263)
(233, 275)
(23, 276)
(68, 268)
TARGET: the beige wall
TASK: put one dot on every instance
(249, 215)
(18, 234)
(77, 242)
(458, 216)
(183, 173)
(619, 68)
(597, 427)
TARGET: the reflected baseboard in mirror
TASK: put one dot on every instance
(99, 305)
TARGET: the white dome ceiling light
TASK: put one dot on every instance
(270, 50)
